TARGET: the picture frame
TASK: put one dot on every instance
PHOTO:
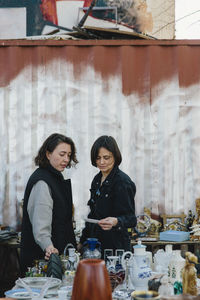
(170, 218)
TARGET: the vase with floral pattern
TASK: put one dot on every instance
(175, 267)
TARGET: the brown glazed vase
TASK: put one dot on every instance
(91, 281)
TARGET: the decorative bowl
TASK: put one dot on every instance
(141, 295)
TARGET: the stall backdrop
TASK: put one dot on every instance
(144, 93)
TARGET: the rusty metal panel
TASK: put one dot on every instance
(144, 93)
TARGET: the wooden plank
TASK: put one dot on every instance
(117, 32)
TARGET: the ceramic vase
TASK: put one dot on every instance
(176, 265)
(91, 281)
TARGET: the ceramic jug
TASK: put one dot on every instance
(71, 261)
(70, 264)
(139, 264)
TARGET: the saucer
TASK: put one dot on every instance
(21, 293)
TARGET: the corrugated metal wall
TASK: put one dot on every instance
(144, 93)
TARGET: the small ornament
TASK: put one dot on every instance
(166, 288)
(178, 289)
(189, 220)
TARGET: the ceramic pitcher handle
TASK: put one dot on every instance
(127, 254)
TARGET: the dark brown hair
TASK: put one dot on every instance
(50, 144)
(109, 143)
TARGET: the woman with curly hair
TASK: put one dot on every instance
(47, 208)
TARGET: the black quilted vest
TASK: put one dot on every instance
(62, 229)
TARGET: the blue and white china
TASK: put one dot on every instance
(139, 266)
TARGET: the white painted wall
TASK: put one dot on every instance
(13, 23)
(160, 143)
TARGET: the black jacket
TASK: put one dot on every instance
(114, 198)
(62, 228)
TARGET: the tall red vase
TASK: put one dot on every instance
(91, 281)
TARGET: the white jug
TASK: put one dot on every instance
(71, 261)
(139, 264)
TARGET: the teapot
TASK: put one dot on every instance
(139, 266)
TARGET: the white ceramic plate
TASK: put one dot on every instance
(39, 282)
(21, 293)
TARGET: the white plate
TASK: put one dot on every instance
(39, 282)
(21, 293)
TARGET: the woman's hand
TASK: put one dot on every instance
(108, 223)
(49, 250)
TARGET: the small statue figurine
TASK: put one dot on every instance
(197, 219)
(189, 274)
(195, 233)
(196, 223)
(190, 219)
(166, 288)
(155, 225)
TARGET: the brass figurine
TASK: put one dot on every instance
(189, 274)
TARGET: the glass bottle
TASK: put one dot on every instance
(91, 248)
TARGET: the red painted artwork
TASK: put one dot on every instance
(87, 3)
(132, 13)
(48, 9)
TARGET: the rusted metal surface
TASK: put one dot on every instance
(140, 63)
(144, 93)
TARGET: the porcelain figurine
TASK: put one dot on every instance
(195, 233)
(197, 219)
(166, 288)
(190, 219)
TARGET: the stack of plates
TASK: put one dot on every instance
(21, 293)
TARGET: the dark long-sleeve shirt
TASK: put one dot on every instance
(114, 198)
